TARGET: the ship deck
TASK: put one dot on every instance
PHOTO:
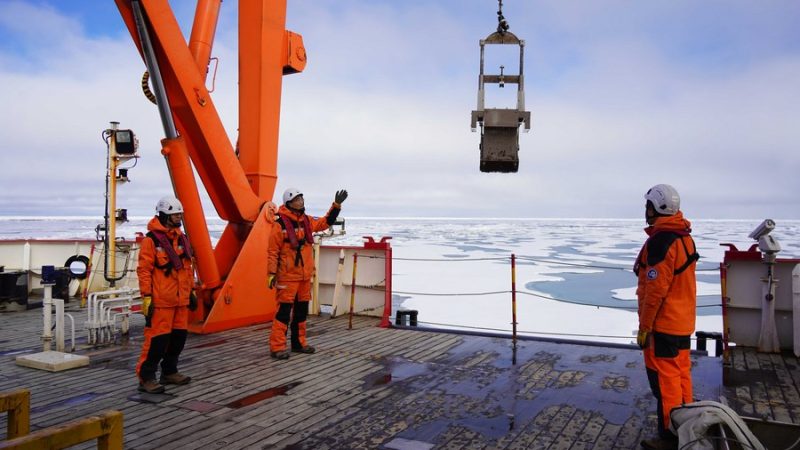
(371, 387)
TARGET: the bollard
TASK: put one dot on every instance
(410, 314)
(701, 341)
(703, 336)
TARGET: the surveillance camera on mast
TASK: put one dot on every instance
(766, 243)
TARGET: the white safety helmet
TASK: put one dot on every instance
(169, 205)
(290, 194)
(665, 199)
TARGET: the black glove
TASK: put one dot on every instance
(271, 279)
(340, 196)
(192, 301)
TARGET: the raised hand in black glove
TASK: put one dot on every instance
(340, 196)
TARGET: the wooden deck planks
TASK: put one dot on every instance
(349, 393)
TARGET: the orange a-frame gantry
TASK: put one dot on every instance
(232, 274)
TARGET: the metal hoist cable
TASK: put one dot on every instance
(502, 23)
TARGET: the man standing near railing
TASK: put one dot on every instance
(291, 266)
(166, 280)
(667, 306)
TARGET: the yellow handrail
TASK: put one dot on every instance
(106, 427)
(18, 405)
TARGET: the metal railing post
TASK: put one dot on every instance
(353, 291)
(514, 299)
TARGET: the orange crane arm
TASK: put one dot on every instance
(203, 30)
(194, 113)
(238, 185)
(261, 69)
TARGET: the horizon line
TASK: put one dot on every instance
(424, 218)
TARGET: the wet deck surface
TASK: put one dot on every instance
(382, 388)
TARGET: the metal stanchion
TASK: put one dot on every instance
(514, 307)
(353, 291)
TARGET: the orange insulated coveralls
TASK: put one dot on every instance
(667, 309)
(169, 286)
(291, 259)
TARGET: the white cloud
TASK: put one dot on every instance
(383, 109)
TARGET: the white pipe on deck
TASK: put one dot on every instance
(105, 322)
(47, 311)
(94, 314)
(72, 321)
(59, 303)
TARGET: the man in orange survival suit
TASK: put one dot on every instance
(291, 266)
(667, 304)
(166, 279)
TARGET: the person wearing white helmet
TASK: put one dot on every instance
(166, 283)
(291, 266)
(667, 298)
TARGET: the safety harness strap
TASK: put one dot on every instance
(291, 235)
(161, 240)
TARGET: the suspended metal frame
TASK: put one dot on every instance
(499, 146)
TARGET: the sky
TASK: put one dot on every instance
(623, 95)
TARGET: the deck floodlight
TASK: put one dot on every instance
(126, 142)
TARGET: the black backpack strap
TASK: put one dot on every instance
(658, 245)
(690, 257)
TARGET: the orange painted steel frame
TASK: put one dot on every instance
(232, 275)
